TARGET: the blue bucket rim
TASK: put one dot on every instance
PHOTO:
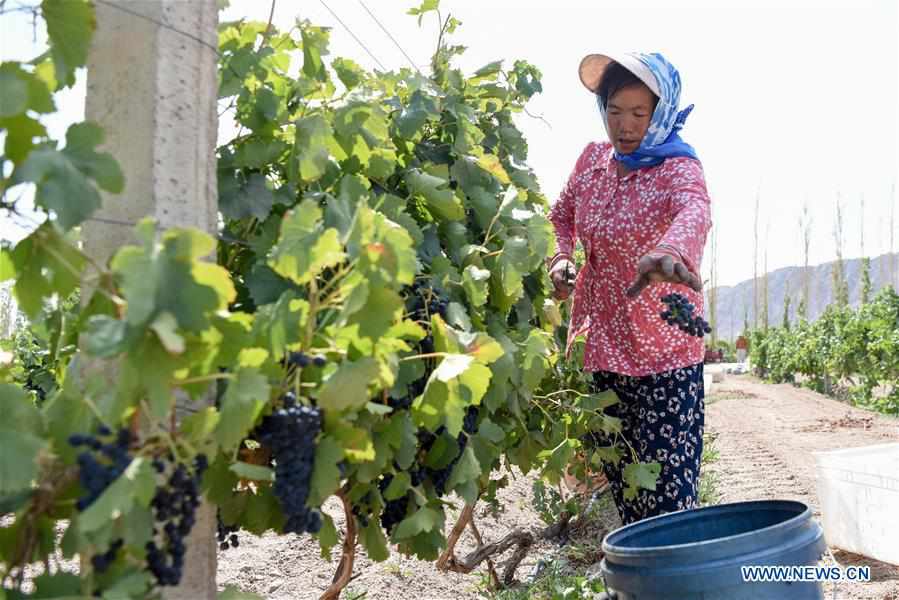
(689, 514)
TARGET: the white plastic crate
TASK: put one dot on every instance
(859, 493)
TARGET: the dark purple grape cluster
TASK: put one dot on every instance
(679, 312)
(425, 301)
(394, 510)
(290, 433)
(105, 459)
(301, 359)
(440, 477)
(226, 534)
(174, 512)
(101, 562)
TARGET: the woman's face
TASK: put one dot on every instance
(629, 113)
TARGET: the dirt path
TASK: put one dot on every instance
(290, 568)
(766, 435)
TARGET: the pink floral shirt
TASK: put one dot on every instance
(618, 220)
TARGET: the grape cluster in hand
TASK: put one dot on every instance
(174, 512)
(102, 463)
(290, 433)
(680, 312)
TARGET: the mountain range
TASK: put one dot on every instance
(735, 304)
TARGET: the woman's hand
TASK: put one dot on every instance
(562, 275)
(658, 266)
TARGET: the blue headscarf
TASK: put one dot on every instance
(661, 140)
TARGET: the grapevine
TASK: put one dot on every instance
(379, 309)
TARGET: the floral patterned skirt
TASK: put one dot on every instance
(662, 419)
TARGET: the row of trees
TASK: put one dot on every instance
(851, 350)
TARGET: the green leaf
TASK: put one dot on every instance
(20, 133)
(7, 268)
(356, 443)
(70, 25)
(327, 536)
(242, 404)
(265, 285)
(398, 487)
(105, 336)
(17, 410)
(558, 459)
(166, 329)
(374, 542)
(136, 485)
(640, 475)
(474, 282)
(47, 265)
(424, 519)
(325, 474)
(58, 585)
(198, 427)
(310, 151)
(62, 176)
(253, 472)
(492, 165)
(349, 73)
(18, 461)
(304, 250)
(14, 99)
(442, 202)
(347, 387)
(252, 199)
(467, 469)
(315, 45)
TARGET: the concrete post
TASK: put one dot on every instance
(152, 86)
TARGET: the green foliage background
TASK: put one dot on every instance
(342, 189)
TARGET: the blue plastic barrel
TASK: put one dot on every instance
(697, 554)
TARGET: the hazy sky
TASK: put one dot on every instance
(795, 101)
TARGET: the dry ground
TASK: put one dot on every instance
(765, 437)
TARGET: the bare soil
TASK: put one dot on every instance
(766, 435)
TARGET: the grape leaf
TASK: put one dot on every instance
(304, 249)
(424, 519)
(374, 542)
(442, 202)
(474, 282)
(325, 474)
(347, 387)
(46, 264)
(18, 461)
(253, 199)
(253, 472)
(70, 25)
(310, 155)
(242, 403)
(640, 475)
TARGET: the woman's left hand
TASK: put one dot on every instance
(657, 266)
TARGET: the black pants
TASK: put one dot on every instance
(662, 419)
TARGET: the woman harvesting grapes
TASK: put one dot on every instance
(639, 206)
